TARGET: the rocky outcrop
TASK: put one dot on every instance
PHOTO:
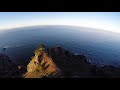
(71, 65)
(42, 65)
(8, 69)
(56, 62)
(79, 66)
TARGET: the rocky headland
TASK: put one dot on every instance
(55, 62)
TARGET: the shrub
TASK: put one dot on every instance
(36, 51)
(39, 67)
(32, 57)
(39, 48)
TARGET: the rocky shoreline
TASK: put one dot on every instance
(55, 62)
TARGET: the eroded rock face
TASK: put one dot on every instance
(79, 66)
(55, 62)
(41, 65)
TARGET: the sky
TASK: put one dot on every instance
(102, 20)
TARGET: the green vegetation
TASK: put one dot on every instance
(40, 47)
(39, 68)
(36, 51)
(32, 57)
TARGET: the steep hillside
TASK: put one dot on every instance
(8, 69)
(55, 62)
(41, 65)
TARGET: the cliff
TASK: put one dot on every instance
(78, 66)
(55, 62)
(41, 65)
(8, 69)
(58, 62)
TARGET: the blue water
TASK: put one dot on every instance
(99, 46)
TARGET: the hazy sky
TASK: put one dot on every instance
(101, 20)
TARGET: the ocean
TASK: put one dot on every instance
(99, 46)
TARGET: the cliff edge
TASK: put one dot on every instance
(41, 65)
(55, 62)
